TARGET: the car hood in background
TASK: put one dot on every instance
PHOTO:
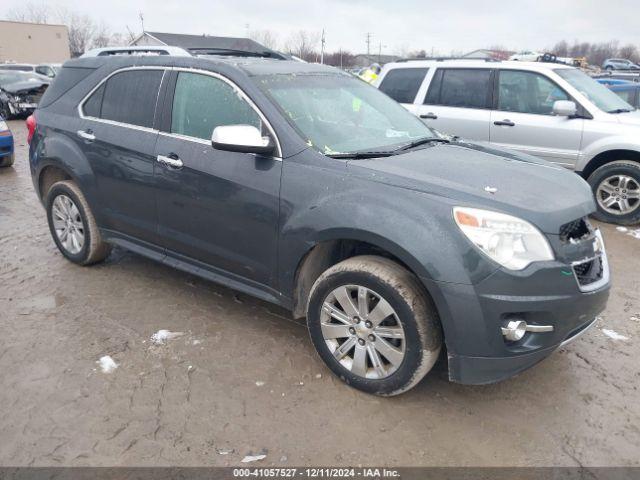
(19, 87)
(471, 174)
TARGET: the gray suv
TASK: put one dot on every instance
(305, 187)
(552, 111)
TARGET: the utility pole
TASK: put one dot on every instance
(380, 51)
(322, 42)
(369, 35)
(142, 21)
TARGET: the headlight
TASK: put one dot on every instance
(512, 242)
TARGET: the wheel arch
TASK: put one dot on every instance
(49, 175)
(330, 250)
(609, 156)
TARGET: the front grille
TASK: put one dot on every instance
(589, 272)
(575, 230)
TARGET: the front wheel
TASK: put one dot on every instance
(374, 325)
(616, 187)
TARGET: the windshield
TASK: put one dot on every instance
(7, 77)
(600, 96)
(341, 114)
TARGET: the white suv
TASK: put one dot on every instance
(552, 111)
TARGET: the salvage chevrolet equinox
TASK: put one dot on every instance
(303, 186)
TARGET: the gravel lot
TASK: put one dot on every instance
(201, 395)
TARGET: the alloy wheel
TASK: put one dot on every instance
(67, 223)
(362, 331)
(618, 194)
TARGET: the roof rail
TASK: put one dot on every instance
(235, 52)
(442, 59)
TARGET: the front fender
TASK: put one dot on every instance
(606, 144)
(415, 227)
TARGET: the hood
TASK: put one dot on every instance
(19, 87)
(630, 118)
(473, 174)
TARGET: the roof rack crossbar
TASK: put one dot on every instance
(442, 59)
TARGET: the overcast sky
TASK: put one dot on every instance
(399, 25)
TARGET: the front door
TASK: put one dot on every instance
(216, 209)
(524, 119)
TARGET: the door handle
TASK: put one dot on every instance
(504, 123)
(86, 135)
(171, 160)
(430, 116)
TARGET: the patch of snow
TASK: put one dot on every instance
(224, 451)
(253, 458)
(107, 364)
(196, 342)
(161, 336)
(318, 375)
(614, 335)
(622, 229)
(635, 233)
(489, 189)
(259, 383)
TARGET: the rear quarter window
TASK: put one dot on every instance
(402, 84)
(65, 80)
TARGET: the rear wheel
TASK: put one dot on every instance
(374, 325)
(73, 226)
(616, 187)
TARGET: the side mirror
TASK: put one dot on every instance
(564, 108)
(241, 138)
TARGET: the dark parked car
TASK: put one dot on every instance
(305, 187)
(20, 92)
(7, 155)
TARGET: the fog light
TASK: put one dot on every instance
(514, 330)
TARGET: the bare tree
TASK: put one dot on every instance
(341, 58)
(630, 51)
(30, 12)
(267, 38)
(102, 37)
(304, 44)
(81, 31)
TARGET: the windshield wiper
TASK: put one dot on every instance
(422, 141)
(620, 110)
(358, 155)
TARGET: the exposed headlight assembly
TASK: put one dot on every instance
(510, 241)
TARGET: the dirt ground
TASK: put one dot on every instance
(199, 396)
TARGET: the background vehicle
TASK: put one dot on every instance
(48, 69)
(18, 67)
(619, 64)
(7, 155)
(627, 90)
(552, 111)
(527, 56)
(20, 92)
(400, 239)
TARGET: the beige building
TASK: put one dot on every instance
(33, 42)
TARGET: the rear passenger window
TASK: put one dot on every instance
(129, 97)
(461, 87)
(402, 84)
(202, 102)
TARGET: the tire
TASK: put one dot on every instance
(414, 314)
(608, 67)
(92, 249)
(8, 161)
(609, 177)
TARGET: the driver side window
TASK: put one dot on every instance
(527, 92)
(202, 102)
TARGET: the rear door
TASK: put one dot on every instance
(119, 141)
(218, 210)
(458, 102)
(523, 118)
